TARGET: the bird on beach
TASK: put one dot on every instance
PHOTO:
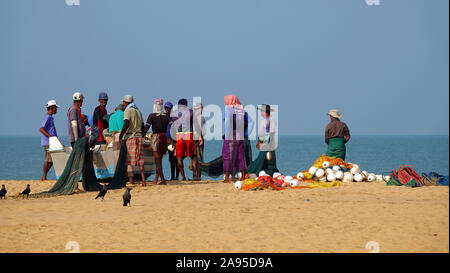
(127, 197)
(102, 193)
(26, 191)
(3, 192)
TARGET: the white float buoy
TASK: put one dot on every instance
(312, 170)
(288, 179)
(326, 164)
(379, 178)
(358, 177)
(387, 178)
(239, 175)
(371, 178)
(339, 175)
(331, 177)
(275, 175)
(329, 170)
(238, 185)
(354, 170)
(300, 176)
(294, 183)
(348, 177)
(262, 173)
(336, 168)
(320, 173)
(323, 179)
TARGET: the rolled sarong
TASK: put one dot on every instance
(47, 156)
(159, 142)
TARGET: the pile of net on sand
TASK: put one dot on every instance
(329, 169)
(325, 172)
(278, 184)
(78, 165)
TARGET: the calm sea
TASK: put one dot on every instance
(22, 157)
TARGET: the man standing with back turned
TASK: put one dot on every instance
(336, 135)
(132, 133)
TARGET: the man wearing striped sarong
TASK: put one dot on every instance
(133, 127)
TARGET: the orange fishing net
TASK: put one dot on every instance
(333, 161)
(254, 184)
(267, 182)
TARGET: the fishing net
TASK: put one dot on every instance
(408, 176)
(333, 161)
(121, 169)
(261, 163)
(214, 168)
(266, 182)
(433, 178)
(78, 165)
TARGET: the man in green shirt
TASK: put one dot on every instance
(132, 133)
(116, 120)
(115, 126)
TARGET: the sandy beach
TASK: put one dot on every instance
(210, 216)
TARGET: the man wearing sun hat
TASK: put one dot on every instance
(337, 135)
(48, 130)
(267, 136)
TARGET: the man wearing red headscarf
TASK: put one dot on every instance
(233, 152)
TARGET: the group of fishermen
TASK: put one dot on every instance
(180, 132)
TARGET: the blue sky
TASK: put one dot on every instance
(385, 67)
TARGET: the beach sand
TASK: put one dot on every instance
(210, 216)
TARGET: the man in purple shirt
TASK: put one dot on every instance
(47, 130)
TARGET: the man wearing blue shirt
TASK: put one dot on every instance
(47, 130)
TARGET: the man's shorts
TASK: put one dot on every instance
(47, 156)
(159, 143)
(185, 144)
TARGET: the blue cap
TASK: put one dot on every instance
(168, 105)
(102, 96)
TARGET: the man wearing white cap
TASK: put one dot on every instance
(76, 120)
(337, 135)
(47, 130)
(132, 132)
